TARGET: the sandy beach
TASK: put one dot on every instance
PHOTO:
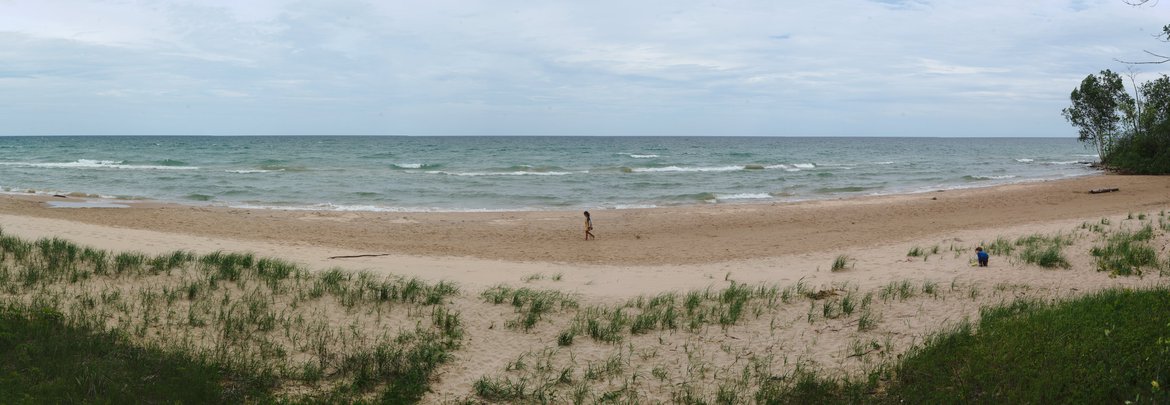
(643, 252)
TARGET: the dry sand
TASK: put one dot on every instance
(649, 251)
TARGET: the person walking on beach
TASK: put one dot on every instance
(982, 256)
(588, 227)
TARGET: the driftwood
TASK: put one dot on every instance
(1103, 190)
(350, 257)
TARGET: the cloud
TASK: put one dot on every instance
(603, 68)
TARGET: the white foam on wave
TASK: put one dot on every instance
(785, 167)
(638, 155)
(368, 208)
(408, 165)
(1003, 177)
(251, 171)
(478, 174)
(1069, 162)
(743, 196)
(633, 206)
(1025, 160)
(883, 163)
(97, 164)
(669, 169)
(804, 166)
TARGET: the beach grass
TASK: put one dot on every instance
(1044, 250)
(45, 360)
(239, 328)
(254, 329)
(840, 263)
(1127, 253)
(1108, 347)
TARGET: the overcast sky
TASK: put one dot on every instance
(504, 67)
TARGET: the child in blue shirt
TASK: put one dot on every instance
(983, 256)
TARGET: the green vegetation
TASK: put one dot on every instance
(531, 305)
(1131, 135)
(1109, 347)
(85, 325)
(44, 360)
(1127, 253)
(1044, 251)
(839, 263)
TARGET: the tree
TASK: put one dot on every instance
(1155, 113)
(1098, 107)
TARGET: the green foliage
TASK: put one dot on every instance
(839, 263)
(43, 360)
(1130, 136)
(1127, 253)
(1109, 347)
(1044, 251)
(1097, 109)
(531, 305)
(236, 327)
(1097, 349)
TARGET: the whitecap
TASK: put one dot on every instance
(785, 167)
(1025, 160)
(478, 174)
(251, 171)
(408, 165)
(743, 196)
(98, 164)
(687, 169)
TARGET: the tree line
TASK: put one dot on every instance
(1130, 132)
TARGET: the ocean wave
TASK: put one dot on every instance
(845, 189)
(883, 163)
(787, 168)
(369, 208)
(638, 155)
(252, 171)
(513, 173)
(669, 169)
(743, 196)
(982, 177)
(1068, 162)
(415, 166)
(98, 164)
(1025, 160)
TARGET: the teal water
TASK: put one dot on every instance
(519, 173)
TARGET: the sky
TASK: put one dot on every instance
(505, 67)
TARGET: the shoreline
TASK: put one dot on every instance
(102, 200)
(674, 235)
